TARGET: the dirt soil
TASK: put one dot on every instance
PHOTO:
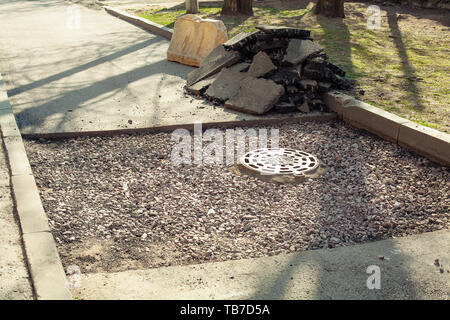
(119, 203)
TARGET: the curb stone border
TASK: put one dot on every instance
(312, 116)
(141, 22)
(428, 142)
(44, 264)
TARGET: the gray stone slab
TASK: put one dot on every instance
(226, 85)
(46, 270)
(255, 96)
(8, 123)
(17, 156)
(202, 85)
(219, 58)
(239, 38)
(240, 66)
(426, 141)
(308, 85)
(304, 107)
(323, 86)
(298, 50)
(28, 204)
(261, 65)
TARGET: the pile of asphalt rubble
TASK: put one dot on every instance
(274, 68)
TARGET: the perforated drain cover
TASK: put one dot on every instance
(275, 161)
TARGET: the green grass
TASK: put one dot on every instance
(401, 67)
(167, 17)
(426, 124)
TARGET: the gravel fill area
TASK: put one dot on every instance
(117, 203)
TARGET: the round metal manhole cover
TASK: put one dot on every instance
(276, 161)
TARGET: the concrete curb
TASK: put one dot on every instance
(313, 116)
(47, 273)
(432, 144)
(141, 22)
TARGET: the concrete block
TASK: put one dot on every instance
(364, 116)
(46, 270)
(226, 85)
(141, 22)
(372, 119)
(218, 58)
(431, 143)
(261, 65)
(304, 107)
(298, 50)
(194, 38)
(8, 124)
(17, 156)
(202, 85)
(255, 96)
(335, 101)
(308, 85)
(28, 204)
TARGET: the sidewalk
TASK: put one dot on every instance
(106, 75)
(407, 271)
(14, 278)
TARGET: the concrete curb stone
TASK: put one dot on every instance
(8, 123)
(28, 204)
(17, 156)
(297, 118)
(141, 22)
(433, 144)
(47, 273)
(46, 270)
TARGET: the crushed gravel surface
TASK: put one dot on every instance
(117, 203)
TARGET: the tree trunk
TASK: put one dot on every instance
(235, 7)
(192, 6)
(330, 8)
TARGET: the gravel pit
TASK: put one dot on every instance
(118, 203)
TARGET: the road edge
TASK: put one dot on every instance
(41, 255)
(428, 142)
(141, 22)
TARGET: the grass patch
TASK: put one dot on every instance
(403, 67)
(426, 124)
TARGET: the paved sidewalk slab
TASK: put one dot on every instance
(106, 75)
(407, 272)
